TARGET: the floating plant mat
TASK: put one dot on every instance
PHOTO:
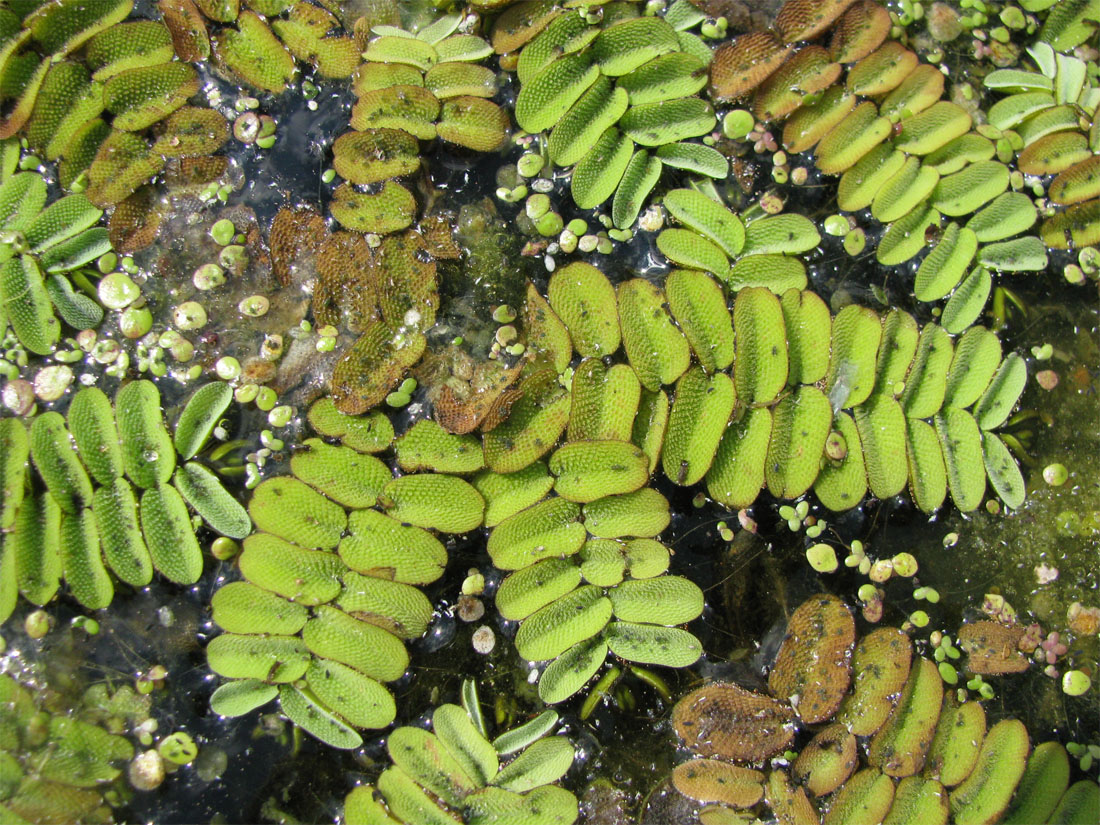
(559, 352)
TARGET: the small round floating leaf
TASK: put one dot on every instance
(657, 350)
(642, 513)
(584, 299)
(57, 464)
(599, 172)
(605, 402)
(374, 652)
(570, 671)
(358, 699)
(306, 711)
(543, 101)
(241, 697)
(827, 761)
(1045, 779)
(115, 509)
(650, 644)
(555, 628)
(291, 510)
(588, 470)
(216, 505)
(902, 743)
(729, 722)
(309, 577)
(986, 793)
(927, 474)
(241, 607)
(263, 658)
(82, 562)
(545, 761)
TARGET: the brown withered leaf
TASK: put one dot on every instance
(727, 721)
(296, 234)
(135, 222)
(347, 282)
(814, 662)
(992, 648)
